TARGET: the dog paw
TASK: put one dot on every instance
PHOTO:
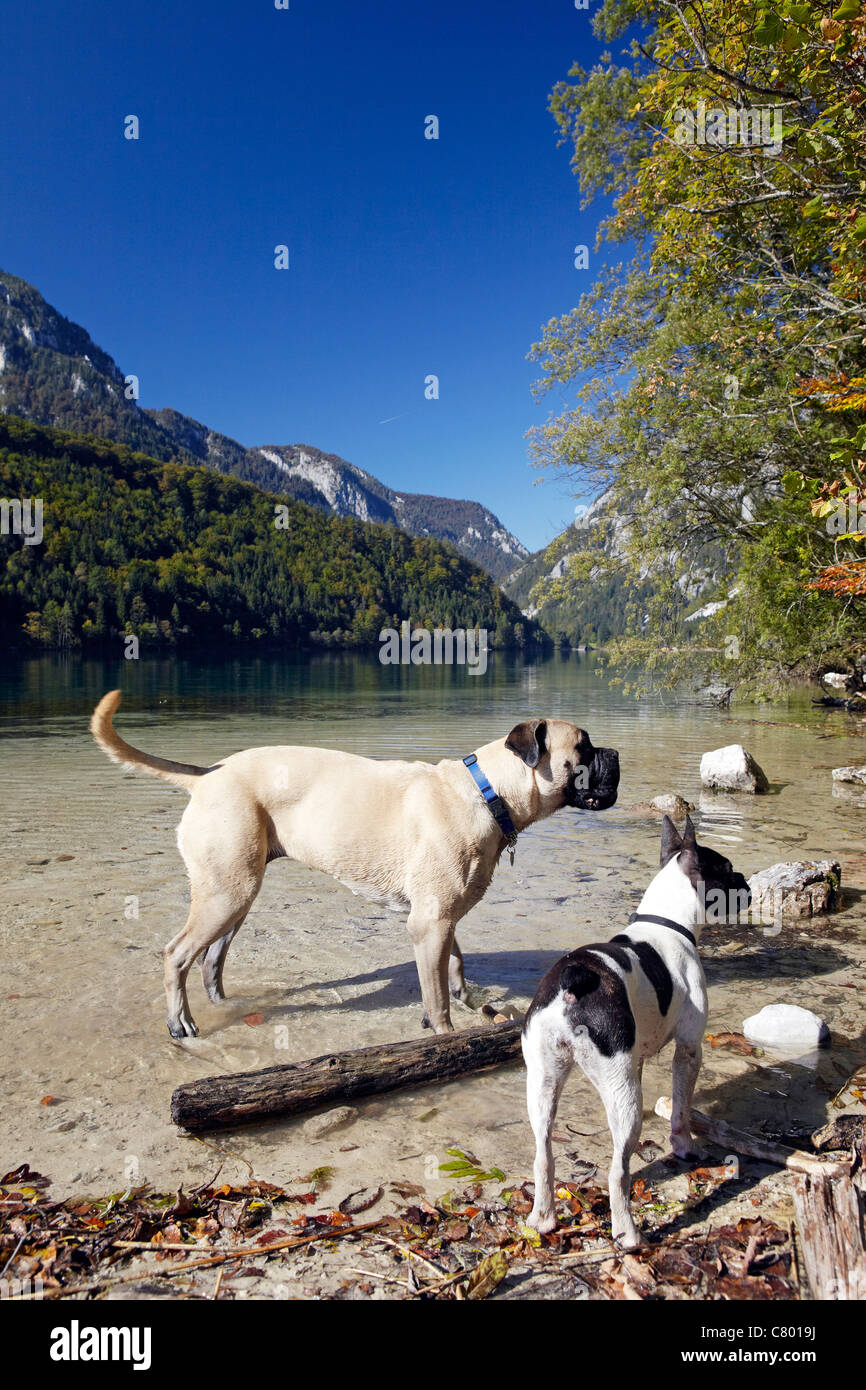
(543, 1224)
(182, 1028)
(628, 1240)
(687, 1149)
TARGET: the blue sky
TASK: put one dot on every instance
(306, 127)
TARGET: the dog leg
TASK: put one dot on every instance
(432, 943)
(547, 1069)
(456, 978)
(213, 962)
(687, 1064)
(210, 918)
(623, 1102)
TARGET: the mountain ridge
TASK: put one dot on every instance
(176, 554)
(51, 372)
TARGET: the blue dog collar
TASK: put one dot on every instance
(495, 805)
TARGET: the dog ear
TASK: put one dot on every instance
(528, 740)
(689, 859)
(672, 841)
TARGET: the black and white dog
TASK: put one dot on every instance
(609, 1007)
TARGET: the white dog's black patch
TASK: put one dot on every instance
(654, 968)
(594, 997)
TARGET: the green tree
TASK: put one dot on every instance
(733, 144)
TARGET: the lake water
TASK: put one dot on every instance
(85, 847)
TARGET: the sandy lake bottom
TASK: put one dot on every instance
(83, 1006)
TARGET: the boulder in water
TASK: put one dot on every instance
(849, 774)
(798, 889)
(732, 769)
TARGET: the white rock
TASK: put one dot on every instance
(838, 679)
(849, 774)
(733, 769)
(798, 889)
(321, 1125)
(785, 1026)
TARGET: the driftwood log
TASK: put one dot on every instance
(219, 1102)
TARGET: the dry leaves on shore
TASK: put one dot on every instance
(463, 1245)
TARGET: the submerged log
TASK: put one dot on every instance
(753, 1146)
(856, 704)
(218, 1102)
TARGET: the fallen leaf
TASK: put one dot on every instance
(182, 1204)
(711, 1174)
(254, 1019)
(205, 1226)
(735, 1041)
(272, 1236)
(519, 1203)
(333, 1218)
(454, 1230)
(362, 1200)
(639, 1273)
(229, 1214)
(487, 1275)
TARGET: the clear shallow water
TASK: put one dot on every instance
(83, 1012)
(199, 710)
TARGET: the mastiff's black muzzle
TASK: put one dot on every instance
(594, 785)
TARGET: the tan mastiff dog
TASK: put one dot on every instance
(415, 836)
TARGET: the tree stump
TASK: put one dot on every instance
(830, 1213)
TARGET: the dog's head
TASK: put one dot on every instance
(569, 771)
(721, 891)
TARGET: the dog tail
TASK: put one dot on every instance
(578, 979)
(181, 774)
